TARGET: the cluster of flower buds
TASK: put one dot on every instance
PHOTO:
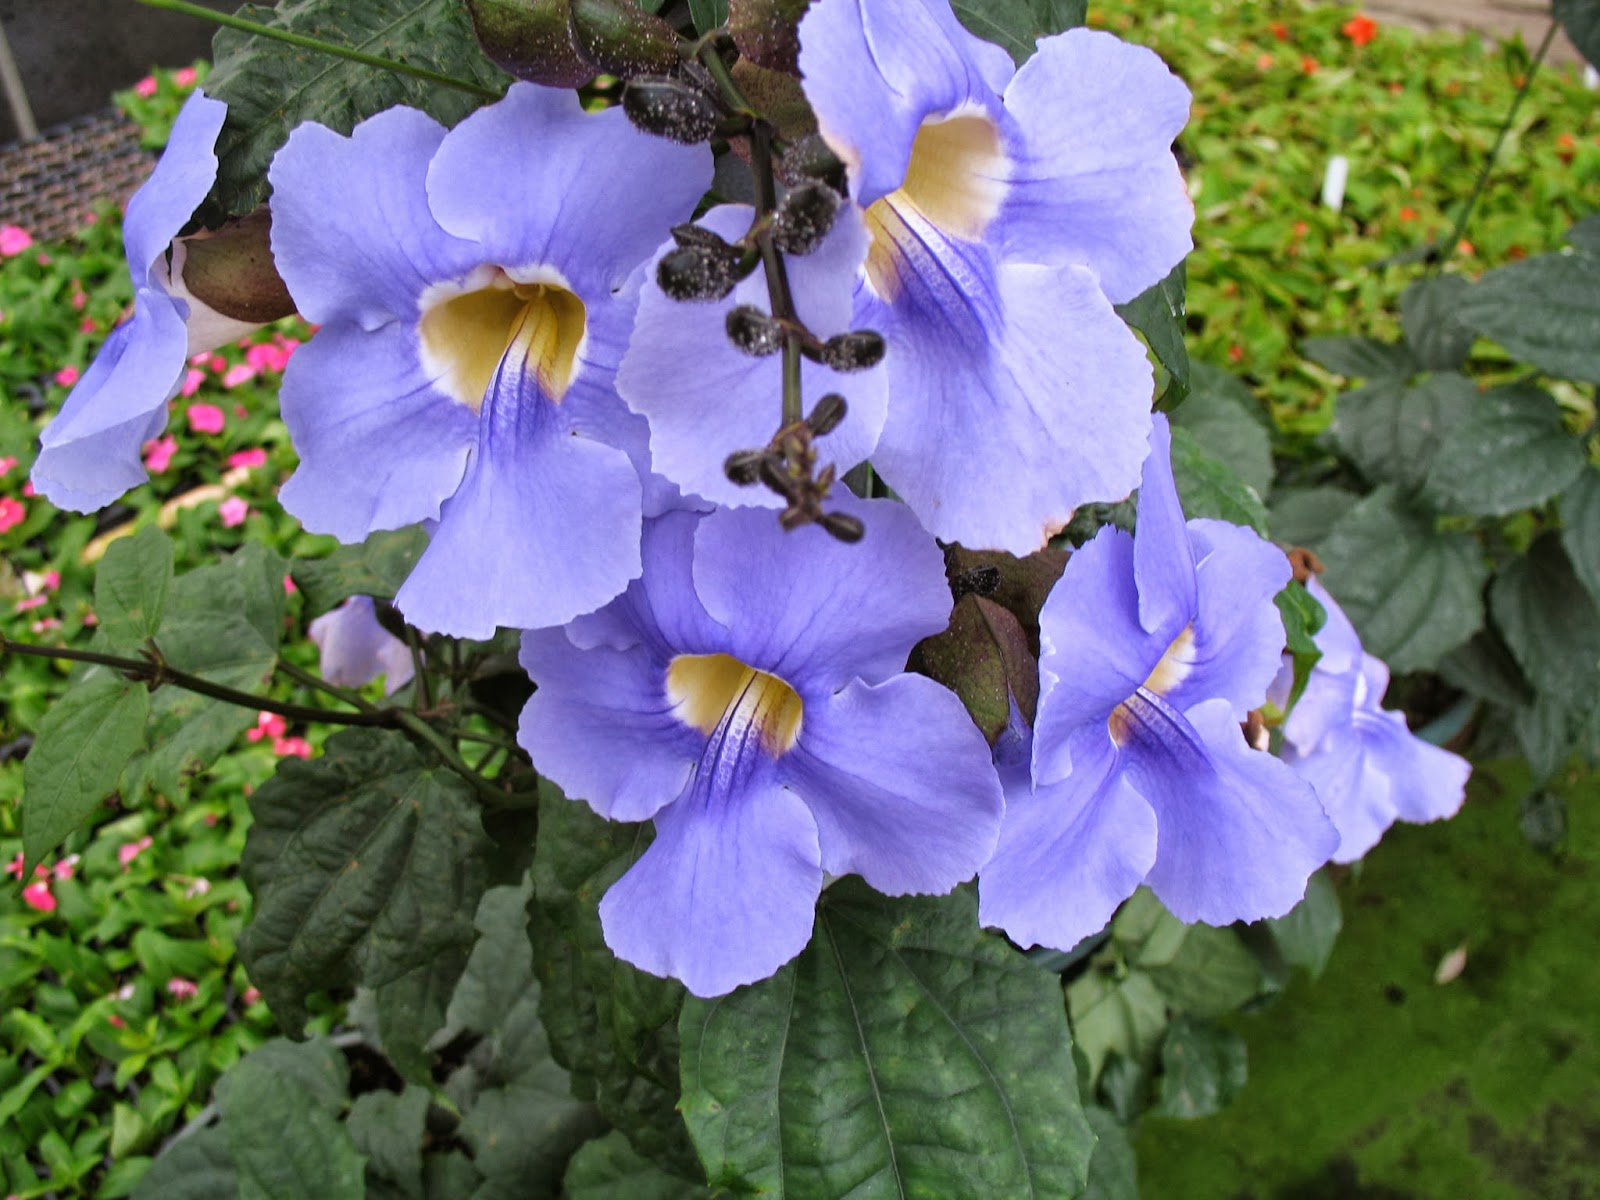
(788, 466)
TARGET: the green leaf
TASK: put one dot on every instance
(1202, 1069)
(1010, 24)
(1305, 516)
(196, 1167)
(1428, 313)
(411, 1009)
(522, 1136)
(1581, 20)
(271, 87)
(1580, 528)
(610, 1169)
(708, 14)
(377, 568)
(1114, 1169)
(1585, 235)
(387, 1127)
(1158, 313)
(1544, 309)
(1199, 968)
(1305, 935)
(130, 588)
(1412, 594)
(279, 1113)
(79, 750)
(1361, 357)
(1550, 622)
(1058, 16)
(1125, 1016)
(364, 864)
(1484, 667)
(1228, 424)
(1391, 430)
(1509, 452)
(903, 1053)
(1209, 487)
(1302, 616)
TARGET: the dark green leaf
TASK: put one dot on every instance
(1158, 313)
(1011, 24)
(449, 1176)
(1202, 1068)
(364, 864)
(522, 1136)
(610, 1169)
(1428, 313)
(1058, 16)
(387, 1127)
(1209, 487)
(1412, 594)
(1228, 424)
(1580, 529)
(1305, 516)
(903, 1053)
(708, 14)
(1305, 935)
(196, 1167)
(130, 588)
(79, 750)
(1302, 617)
(1544, 309)
(377, 568)
(1542, 817)
(411, 1009)
(1509, 452)
(1124, 1085)
(271, 87)
(1361, 357)
(1550, 622)
(1585, 235)
(1551, 729)
(1109, 1014)
(1581, 20)
(283, 1135)
(1485, 668)
(1114, 1169)
(1199, 968)
(1391, 430)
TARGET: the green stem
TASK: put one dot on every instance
(318, 684)
(423, 694)
(1460, 229)
(780, 298)
(311, 43)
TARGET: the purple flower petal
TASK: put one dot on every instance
(1094, 181)
(1069, 852)
(862, 763)
(727, 892)
(181, 180)
(1240, 832)
(1163, 557)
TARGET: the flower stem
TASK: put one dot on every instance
(311, 43)
(778, 293)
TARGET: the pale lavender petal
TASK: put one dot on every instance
(1428, 782)
(601, 726)
(380, 447)
(1094, 181)
(813, 610)
(1240, 832)
(356, 649)
(352, 235)
(1069, 852)
(1017, 394)
(874, 72)
(1339, 681)
(660, 609)
(576, 178)
(900, 783)
(704, 399)
(1163, 556)
(182, 178)
(727, 892)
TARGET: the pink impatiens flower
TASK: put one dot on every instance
(14, 240)
(12, 513)
(182, 989)
(67, 376)
(158, 453)
(237, 374)
(248, 458)
(297, 746)
(268, 725)
(6, 464)
(129, 851)
(184, 77)
(206, 418)
(233, 511)
(37, 896)
(192, 379)
(146, 87)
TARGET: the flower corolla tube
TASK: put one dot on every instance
(1009, 210)
(1153, 648)
(474, 296)
(89, 454)
(747, 695)
(1369, 770)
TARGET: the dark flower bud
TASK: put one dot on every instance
(531, 39)
(853, 351)
(982, 581)
(771, 472)
(670, 108)
(826, 414)
(621, 39)
(810, 158)
(767, 33)
(696, 273)
(804, 217)
(692, 236)
(843, 526)
(743, 467)
(752, 331)
(232, 270)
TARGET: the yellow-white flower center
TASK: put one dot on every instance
(712, 690)
(468, 330)
(1175, 664)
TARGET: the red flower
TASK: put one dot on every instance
(1280, 31)
(1308, 65)
(1360, 29)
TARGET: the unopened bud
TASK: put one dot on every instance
(752, 331)
(766, 31)
(843, 526)
(804, 218)
(689, 236)
(811, 158)
(531, 39)
(743, 467)
(853, 351)
(670, 108)
(826, 414)
(621, 39)
(232, 272)
(694, 273)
